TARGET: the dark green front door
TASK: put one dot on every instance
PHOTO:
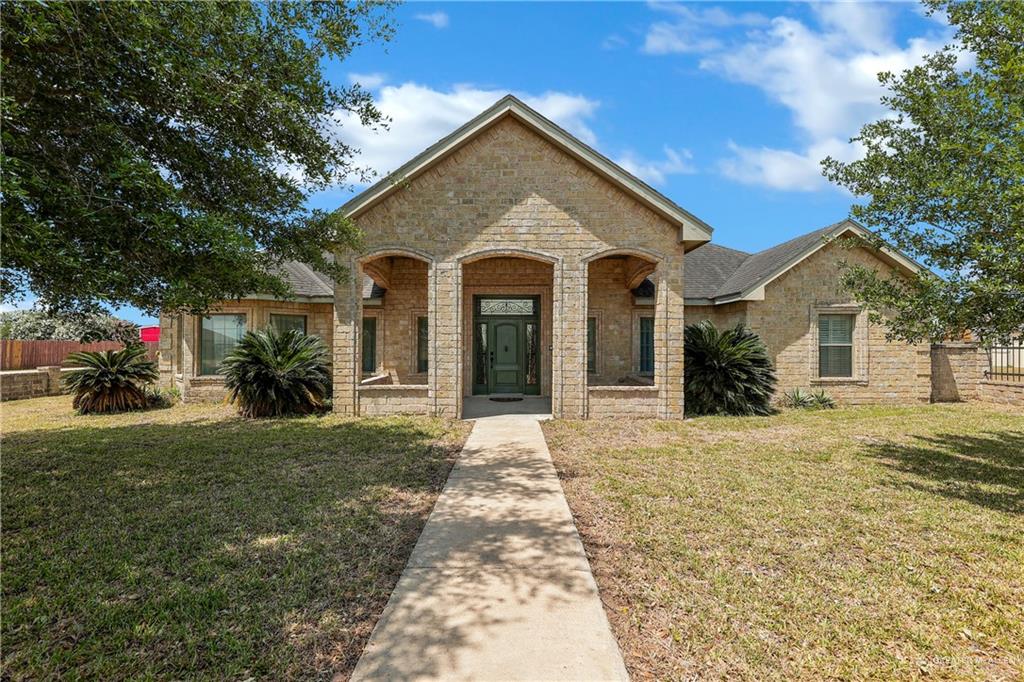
(506, 345)
(505, 339)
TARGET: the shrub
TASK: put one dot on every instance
(110, 380)
(822, 400)
(800, 399)
(271, 373)
(162, 397)
(727, 371)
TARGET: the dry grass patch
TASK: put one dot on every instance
(188, 543)
(861, 543)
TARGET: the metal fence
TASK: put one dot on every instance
(1005, 363)
(18, 354)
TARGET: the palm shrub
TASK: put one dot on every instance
(728, 371)
(110, 380)
(822, 400)
(272, 373)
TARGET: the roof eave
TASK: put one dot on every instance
(692, 230)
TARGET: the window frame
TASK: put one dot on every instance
(822, 344)
(640, 344)
(593, 343)
(246, 317)
(861, 342)
(305, 319)
(421, 356)
(373, 345)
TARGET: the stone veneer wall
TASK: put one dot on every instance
(510, 192)
(394, 399)
(31, 383)
(1004, 392)
(787, 322)
(957, 369)
(617, 321)
(613, 402)
(514, 277)
(405, 300)
(179, 342)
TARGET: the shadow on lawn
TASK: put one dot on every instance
(985, 469)
(263, 548)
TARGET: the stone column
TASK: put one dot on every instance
(569, 340)
(54, 386)
(668, 337)
(169, 336)
(445, 348)
(348, 312)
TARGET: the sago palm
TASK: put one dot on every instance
(271, 373)
(110, 380)
(728, 371)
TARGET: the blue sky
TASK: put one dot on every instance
(724, 107)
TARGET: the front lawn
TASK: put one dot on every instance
(187, 543)
(858, 543)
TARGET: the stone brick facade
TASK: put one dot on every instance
(1003, 392)
(179, 342)
(31, 383)
(957, 369)
(787, 321)
(509, 193)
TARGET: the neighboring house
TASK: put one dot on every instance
(510, 258)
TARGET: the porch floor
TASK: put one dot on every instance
(481, 406)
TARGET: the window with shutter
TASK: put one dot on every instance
(835, 345)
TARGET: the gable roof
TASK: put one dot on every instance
(714, 282)
(691, 228)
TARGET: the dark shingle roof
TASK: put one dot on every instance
(707, 267)
(304, 280)
(714, 272)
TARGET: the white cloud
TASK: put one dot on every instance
(654, 171)
(825, 75)
(436, 19)
(690, 29)
(783, 169)
(420, 116)
(370, 81)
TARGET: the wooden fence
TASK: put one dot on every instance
(16, 354)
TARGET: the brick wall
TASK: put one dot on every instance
(389, 400)
(504, 192)
(31, 383)
(612, 402)
(1004, 392)
(787, 322)
(179, 341)
(957, 369)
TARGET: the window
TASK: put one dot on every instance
(422, 335)
(282, 323)
(835, 345)
(179, 344)
(591, 345)
(507, 306)
(369, 344)
(218, 337)
(646, 345)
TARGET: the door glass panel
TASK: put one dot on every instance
(531, 353)
(506, 306)
(480, 361)
(647, 345)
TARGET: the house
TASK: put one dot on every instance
(510, 258)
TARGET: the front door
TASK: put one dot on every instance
(505, 339)
(506, 344)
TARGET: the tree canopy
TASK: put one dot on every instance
(943, 180)
(160, 154)
(85, 328)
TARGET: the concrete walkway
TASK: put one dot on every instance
(498, 586)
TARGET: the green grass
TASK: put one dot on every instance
(186, 542)
(860, 543)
